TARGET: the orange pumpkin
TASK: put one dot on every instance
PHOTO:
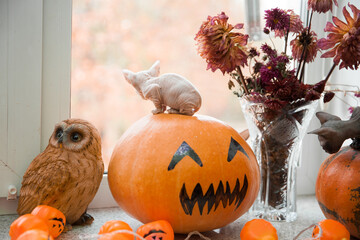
(158, 230)
(115, 225)
(35, 234)
(338, 188)
(193, 171)
(258, 229)
(331, 230)
(27, 222)
(54, 218)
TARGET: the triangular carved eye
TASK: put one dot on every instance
(234, 148)
(183, 151)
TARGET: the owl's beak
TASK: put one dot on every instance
(60, 140)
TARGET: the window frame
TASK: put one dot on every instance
(34, 82)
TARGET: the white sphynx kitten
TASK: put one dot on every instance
(168, 90)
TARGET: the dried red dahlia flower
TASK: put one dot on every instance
(296, 25)
(305, 40)
(321, 6)
(277, 19)
(284, 90)
(344, 39)
(221, 47)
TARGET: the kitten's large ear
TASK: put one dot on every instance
(129, 75)
(155, 69)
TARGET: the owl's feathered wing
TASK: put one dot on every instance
(45, 180)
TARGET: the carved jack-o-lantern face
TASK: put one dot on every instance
(158, 230)
(54, 218)
(57, 225)
(195, 172)
(212, 197)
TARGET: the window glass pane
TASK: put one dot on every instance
(109, 36)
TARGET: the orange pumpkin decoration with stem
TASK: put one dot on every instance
(115, 225)
(338, 182)
(54, 218)
(158, 230)
(257, 229)
(338, 188)
(27, 222)
(35, 234)
(193, 171)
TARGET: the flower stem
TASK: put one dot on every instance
(286, 40)
(303, 69)
(301, 62)
(303, 55)
(302, 73)
(311, 15)
(238, 69)
(330, 72)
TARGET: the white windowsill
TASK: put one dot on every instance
(103, 199)
(308, 214)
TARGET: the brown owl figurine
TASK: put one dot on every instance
(67, 174)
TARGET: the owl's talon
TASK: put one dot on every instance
(85, 219)
(67, 228)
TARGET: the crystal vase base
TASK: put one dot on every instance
(274, 215)
(276, 139)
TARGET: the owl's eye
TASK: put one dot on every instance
(59, 133)
(75, 137)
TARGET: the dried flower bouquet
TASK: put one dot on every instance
(278, 105)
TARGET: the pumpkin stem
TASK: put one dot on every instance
(356, 143)
(333, 131)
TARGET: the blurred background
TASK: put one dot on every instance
(108, 36)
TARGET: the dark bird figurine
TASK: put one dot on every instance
(67, 174)
(333, 131)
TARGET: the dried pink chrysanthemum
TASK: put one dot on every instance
(344, 39)
(321, 6)
(296, 25)
(222, 48)
(304, 46)
(277, 19)
(283, 89)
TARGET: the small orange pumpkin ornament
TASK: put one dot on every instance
(115, 225)
(54, 218)
(158, 230)
(27, 222)
(331, 230)
(194, 171)
(35, 234)
(258, 229)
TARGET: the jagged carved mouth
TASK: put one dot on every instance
(213, 198)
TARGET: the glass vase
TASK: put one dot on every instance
(275, 137)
